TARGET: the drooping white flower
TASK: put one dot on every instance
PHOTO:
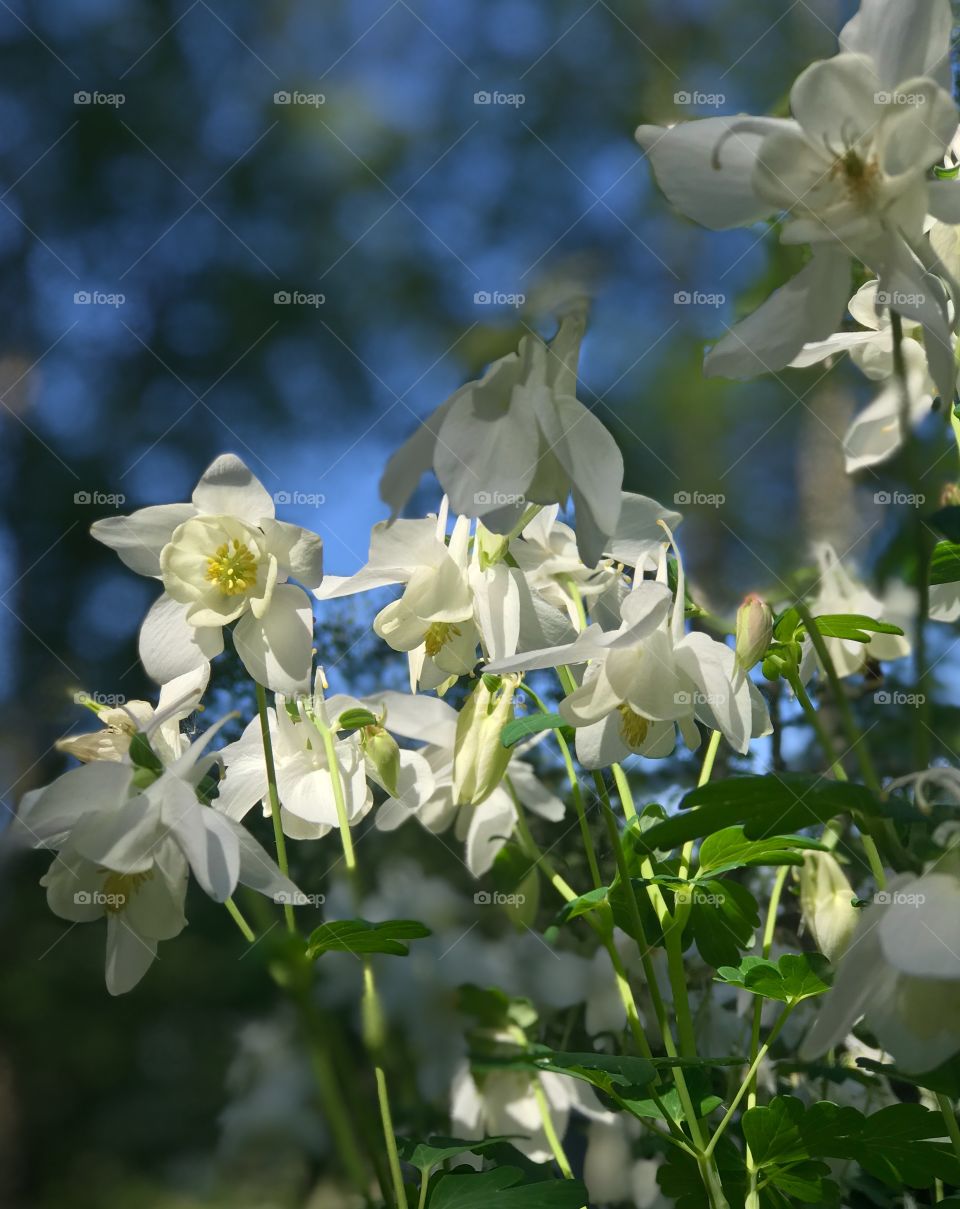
(848, 174)
(826, 903)
(484, 828)
(125, 842)
(304, 780)
(504, 1103)
(876, 434)
(223, 558)
(838, 592)
(901, 972)
(519, 436)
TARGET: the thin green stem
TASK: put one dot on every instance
(274, 797)
(754, 1066)
(950, 1120)
(235, 914)
(556, 1146)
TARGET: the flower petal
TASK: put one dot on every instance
(229, 488)
(170, 646)
(276, 649)
(299, 551)
(904, 38)
(139, 538)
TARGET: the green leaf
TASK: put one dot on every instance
(852, 626)
(361, 936)
(730, 849)
(609, 1072)
(533, 724)
(945, 563)
(766, 806)
(502, 1187)
(701, 1095)
(356, 719)
(723, 918)
(795, 977)
(681, 1182)
(583, 904)
(426, 1155)
(143, 755)
(493, 1008)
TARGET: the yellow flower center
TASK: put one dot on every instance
(232, 568)
(119, 888)
(633, 727)
(438, 635)
(859, 176)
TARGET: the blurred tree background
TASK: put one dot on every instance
(288, 230)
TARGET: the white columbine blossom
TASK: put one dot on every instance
(901, 972)
(519, 436)
(223, 558)
(304, 780)
(848, 174)
(839, 592)
(125, 843)
(875, 434)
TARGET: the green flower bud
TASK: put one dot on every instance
(826, 901)
(383, 755)
(754, 631)
(479, 758)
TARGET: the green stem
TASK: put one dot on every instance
(274, 797)
(748, 1079)
(553, 1140)
(235, 914)
(950, 1120)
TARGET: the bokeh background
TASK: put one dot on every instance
(288, 230)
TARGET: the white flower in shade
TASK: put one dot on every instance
(901, 973)
(875, 434)
(848, 174)
(485, 828)
(612, 1174)
(826, 903)
(649, 677)
(839, 592)
(504, 1103)
(223, 558)
(519, 436)
(125, 846)
(308, 808)
(177, 700)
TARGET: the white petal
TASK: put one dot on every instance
(808, 308)
(834, 99)
(861, 972)
(638, 535)
(129, 955)
(206, 839)
(228, 488)
(139, 538)
(496, 593)
(706, 167)
(491, 825)
(414, 716)
(277, 649)
(410, 462)
(124, 839)
(945, 200)
(258, 870)
(904, 38)
(299, 551)
(55, 810)
(920, 930)
(170, 646)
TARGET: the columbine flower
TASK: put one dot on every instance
(901, 972)
(875, 434)
(826, 902)
(308, 807)
(519, 436)
(849, 175)
(479, 758)
(429, 795)
(649, 677)
(504, 1103)
(126, 838)
(838, 592)
(754, 632)
(178, 699)
(222, 558)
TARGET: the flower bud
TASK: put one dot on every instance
(383, 755)
(754, 631)
(491, 547)
(479, 758)
(826, 901)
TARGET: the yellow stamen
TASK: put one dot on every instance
(633, 726)
(119, 888)
(859, 176)
(438, 635)
(232, 568)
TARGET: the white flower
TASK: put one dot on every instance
(826, 902)
(838, 592)
(177, 700)
(875, 434)
(901, 972)
(308, 807)
(222, 558)
(849, 175)
(485, 828)
(519, 436)
(125, 846)
(503, 1103)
